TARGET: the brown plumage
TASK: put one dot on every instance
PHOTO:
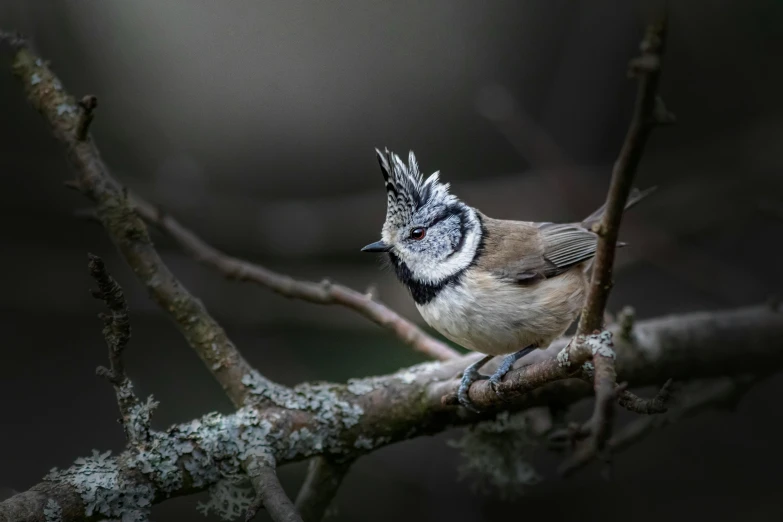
(493, 286)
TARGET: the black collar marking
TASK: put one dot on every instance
(423, 293)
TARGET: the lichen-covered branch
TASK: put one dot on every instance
(68, 122)
(348, 420)
(135, 414)
(325, 293)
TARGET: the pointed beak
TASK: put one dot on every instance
(378, 246)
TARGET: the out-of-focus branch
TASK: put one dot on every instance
(698, 397)
(725, 391)
(326, 292)
(69, 122)
(648, 112)
(324, 476)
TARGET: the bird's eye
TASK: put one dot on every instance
(418, 233)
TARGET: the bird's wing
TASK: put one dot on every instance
(528, 252)
(567, 245)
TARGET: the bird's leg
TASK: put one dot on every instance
(505, 367)
(469, 376)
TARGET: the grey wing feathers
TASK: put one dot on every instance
(567, 245)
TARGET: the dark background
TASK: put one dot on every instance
(254, 122)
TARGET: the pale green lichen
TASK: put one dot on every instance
(563, 357)
(494, 455)
(137, 414)
(601, 344)
(360, 386)
(331, 413)
(52, 511)
(229, 498)
(320, 399)
(409, 375)
(366, 443)
(104, 489)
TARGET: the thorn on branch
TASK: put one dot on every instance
(87, 106)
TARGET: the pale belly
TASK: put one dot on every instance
(493, 317)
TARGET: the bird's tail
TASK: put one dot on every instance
(634, 197)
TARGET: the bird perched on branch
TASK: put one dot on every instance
(493, 286)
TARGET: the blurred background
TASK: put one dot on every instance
(254, 123)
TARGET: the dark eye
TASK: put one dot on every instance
(418, 233)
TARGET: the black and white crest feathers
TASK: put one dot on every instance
(406, 189)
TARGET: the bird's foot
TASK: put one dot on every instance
(469, 376)
(508, 362)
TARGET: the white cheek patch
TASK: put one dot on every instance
(427, 270)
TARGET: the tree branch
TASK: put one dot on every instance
(348, 420)
(126, 229)
(275, 425)
(701, 396)
(648, 111)
(325, 293)
(269, 493)
(135, 415)
(324, 476)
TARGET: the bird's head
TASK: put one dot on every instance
(430, 235)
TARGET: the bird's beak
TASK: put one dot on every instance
(378, 246)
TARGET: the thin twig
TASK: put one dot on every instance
(717, 393)
(658, 404)
(648, 111)
(126, 229)
(324, 476)
(117, 329)
(326, 292)
(269, 493)
(135, 415)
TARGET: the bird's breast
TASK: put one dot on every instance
(486, 314)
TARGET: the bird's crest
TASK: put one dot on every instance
(406, 189)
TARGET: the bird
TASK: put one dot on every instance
(493, 286)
